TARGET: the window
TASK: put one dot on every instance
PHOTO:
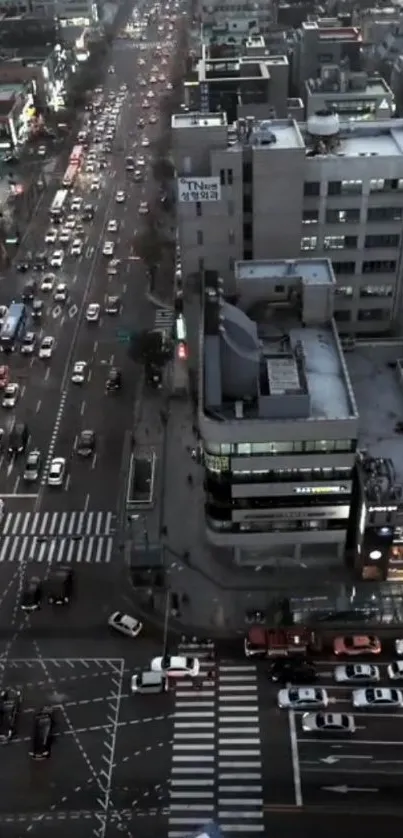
(309, 242)
(384, 214)
(376, 185)
(200, 237)
(351, 187)
(339, 242)
(279, 289)
(222, 177)
(247, 231)
(334, 187)
(341, 216)
(230, 177)
(395, 184)
(379, 266)
(247, 172)
(312, 187)
(385, 240)
(376, 291)
(344, 290)
(343, 268)
(366, 314)
(342, 316)
(310, 217)
(231, 237)
(198, 209)
(247, 203)
(231, 208)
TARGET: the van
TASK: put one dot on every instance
(19, 437)
(149, 682)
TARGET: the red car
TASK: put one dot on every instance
(358, 644)
(4, 376)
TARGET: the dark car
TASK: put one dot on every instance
(10, 703)
(292, 671)
(23, 265)
(29, 291)
(37, 309)
(86, 443)
(42, 733)
(60, 586)
(18, 439)
(112, 304)
(40, 261)
(88, 212)
(114, 380)
(32, 595)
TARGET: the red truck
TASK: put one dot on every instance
(261, 642)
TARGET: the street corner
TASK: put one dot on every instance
(84, 694)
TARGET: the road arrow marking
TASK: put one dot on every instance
(56, 312)
(346, 789)
(331, 760)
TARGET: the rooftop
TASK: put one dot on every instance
(261, 361)
(8, 92)
(363, 86)
(198, 120)
(269, 133)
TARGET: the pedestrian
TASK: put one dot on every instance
(190, 480)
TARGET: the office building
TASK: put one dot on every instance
(277, 415)
(83, 12)
(321, 42)
(245, 18)
(351, 95)
(271, 189)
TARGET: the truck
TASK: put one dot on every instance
(264, 642)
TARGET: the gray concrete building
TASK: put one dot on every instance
(322, 42)
(352, 95)
(277, 415)
(271, 189)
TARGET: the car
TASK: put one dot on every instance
(395, 671)
(32, 467)
(64, 236)
(152, 119)
(18, 439)
(42, 734)
(88, 213)
(176, 666)
(4, 376)
(113, 266)
(328, 723)
(302, 698)
(24, 265)
(114, 380)
(40, 261)
(57, 471)
(60, 585)
(140, 162)
(42, 151)
(93, 312)
(292, 671)
(37, 309)
(145, 142)
(138, 175)
(31, 597)
(357, 672)
(125, 624)
(153, 80)
(61, 293)
(70, 222)
(108, 248)
(28, 343)
(113, 226)
(378, 697)
(90, 168)
(143, 208)
(46, 348)
(359, 644)
(48, 282)
(86, 443)
(79, 373)
(57, 259)
(51, 236)
(95, 184)
(29, 290)
(112, 304)
(10, 395)
(76, 248)
(120, 196)
(77, 203)
(140, 123)
(145, 104)
(161, 77)
(10, 705)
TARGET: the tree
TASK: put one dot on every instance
(163, 169)
(149, 245)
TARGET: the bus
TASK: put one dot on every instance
(13, 328)
(57, 206)
(70, 175)
(77, 154)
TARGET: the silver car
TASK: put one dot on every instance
(328, 723)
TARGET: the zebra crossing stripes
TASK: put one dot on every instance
(57, 524)
(67, 550)
(164, 320)
(240, 778)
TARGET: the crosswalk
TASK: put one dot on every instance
(164, 320)
(216, 771)
(57, 537)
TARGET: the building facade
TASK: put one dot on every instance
(273, 189)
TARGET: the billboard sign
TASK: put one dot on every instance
(192, 190)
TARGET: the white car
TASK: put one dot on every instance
(60, 295)
(42, 151)
(108, 248)
(79, 373)
(76, 204)
(120, 197)
(395, 671)
(143, 208)
(28, 343)
(125, 624)
(57, 471)
(56, 259)
(328, 723)
(64, 236)
(153, 119)
(46, 347)
(176, 666)
(145, 142)
(145, 104)
(90, 168)
(113, 226)
(302, 698)
(95, 184)
(70, 222)
(378, 697)
(51, 237)
(10, 395)
(153, 80)
(141, 161)
(93, 313)
(353, 673)
(48, 282)
(76, 247)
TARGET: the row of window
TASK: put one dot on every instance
(350, 242)
(274, 502)
(250, 449)
(363, 315)
(216, 523)
(373, 266)
(371, 291)
(353, 215)
(354, 187)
